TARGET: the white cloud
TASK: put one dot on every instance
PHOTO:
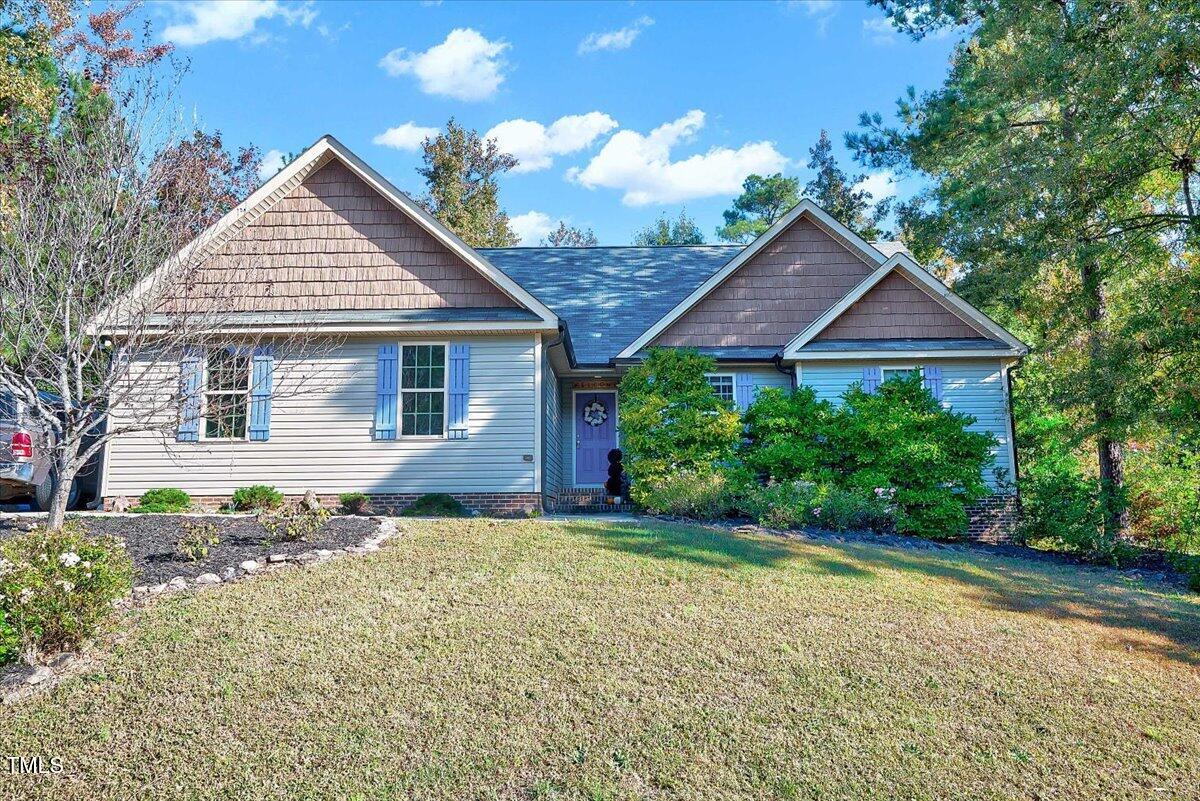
(408, 136)
(272, 163)
(531, 226)
(641, 166)
(821, 11)
(620, 39)
(881, 185)
(879, 30)
(466, 66)
(535, 145)
(210, 20)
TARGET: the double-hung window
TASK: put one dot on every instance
(422, 390)
(888, 373)
(226, 393)
(722, 384)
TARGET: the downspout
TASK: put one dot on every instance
(777, 363)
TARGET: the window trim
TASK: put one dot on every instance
(445, 344)
(895, 368)
(732, 385)
(204, 393)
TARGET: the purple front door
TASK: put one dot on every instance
(595, 435)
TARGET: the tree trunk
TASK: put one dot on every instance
(1110, 453)
(62, 478)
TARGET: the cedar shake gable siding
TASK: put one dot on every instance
(332, 244)
(896, 308)
(783, 288)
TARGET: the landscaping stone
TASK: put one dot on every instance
(228, 574)
(121, 504)
(276, 558)
(176, 584)
(150, 540)
(310, 501)
(250, 566)
(40, 674)
(208, 578)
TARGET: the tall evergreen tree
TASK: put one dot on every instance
(763, 201)
(665, 231)
(568, 236)
(1061, 154)
(461, 191)
(835, 193)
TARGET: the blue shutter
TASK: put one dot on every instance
(385, 392)
(191, 379)
(261, 377)
(743, 390)
(460, 391)
(933, 380)
(872, 377)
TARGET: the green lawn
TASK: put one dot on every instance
(534, 659)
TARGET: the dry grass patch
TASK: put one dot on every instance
(484, 659)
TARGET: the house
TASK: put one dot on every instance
(492, 374)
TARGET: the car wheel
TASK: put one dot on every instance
(44, 494)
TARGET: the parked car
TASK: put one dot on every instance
(26, 463)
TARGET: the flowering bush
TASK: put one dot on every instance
(791, 504)
(701, 494)
(57, 588)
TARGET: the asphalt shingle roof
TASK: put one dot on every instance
(610, 295)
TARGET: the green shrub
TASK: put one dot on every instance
(57, 588)
(354, 503)
(787, 434)
(197, 538)
(703, 494)
(10, 643)
(256, 497)
(671, 419)
(841, 509)
(167, 500)
(900, 438)
(791, 504)
(786, 504)
(293, 523)
(1061, 507)
(436, 504)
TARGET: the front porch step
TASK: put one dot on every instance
(588, 501)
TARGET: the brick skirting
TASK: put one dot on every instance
(993, 518)
(496, 504)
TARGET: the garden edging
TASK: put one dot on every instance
(21, 681)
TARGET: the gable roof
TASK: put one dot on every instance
(805, 207)
(903, 264)
(608, 295)
(325, 150)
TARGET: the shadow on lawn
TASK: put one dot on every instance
(1141, 621)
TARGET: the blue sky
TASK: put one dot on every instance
(620, 111)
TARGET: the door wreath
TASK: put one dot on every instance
(594, 414)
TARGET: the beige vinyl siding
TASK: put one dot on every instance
(974, 387)
(552, 434)
(321, 435)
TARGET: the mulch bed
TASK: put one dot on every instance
(150, 540)
(1150, 565)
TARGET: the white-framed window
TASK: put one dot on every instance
(226, 408)
(888, 373)
(722, 384)
(422, 390)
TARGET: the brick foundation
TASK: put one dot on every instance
(495, 504)
(993, 519)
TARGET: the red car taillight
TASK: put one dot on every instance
(22, 445)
